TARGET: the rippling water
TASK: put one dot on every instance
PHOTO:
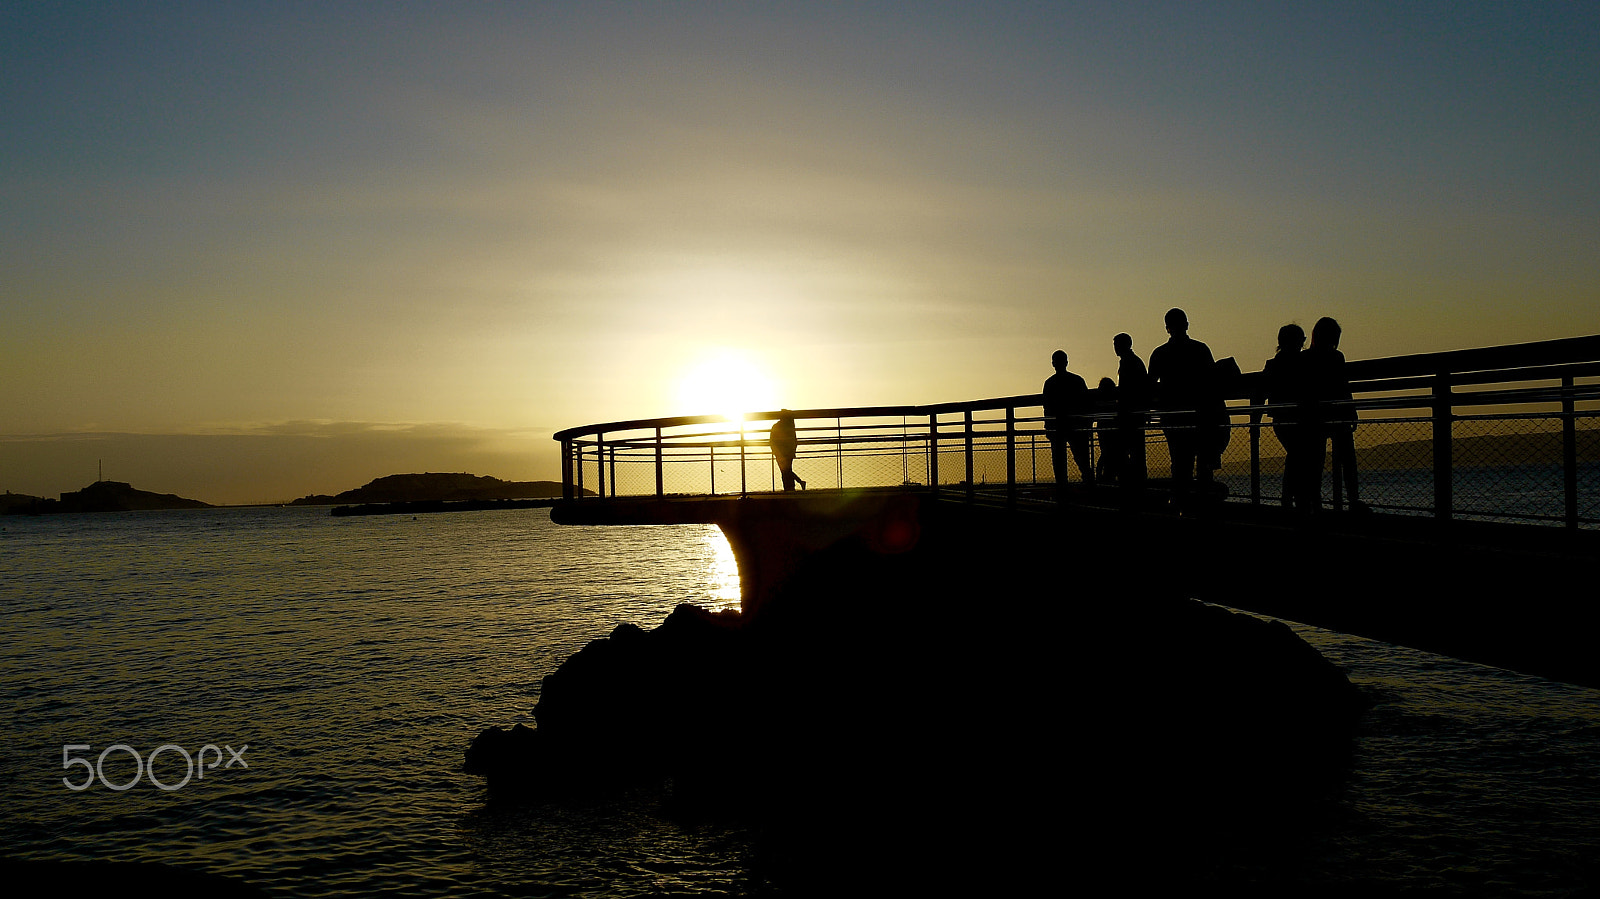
(357, 657)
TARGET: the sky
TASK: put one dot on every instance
(250, 252)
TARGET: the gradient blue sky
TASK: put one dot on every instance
(254, 251)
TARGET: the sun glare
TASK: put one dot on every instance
(727, 383)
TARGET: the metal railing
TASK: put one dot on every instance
(1499, 433)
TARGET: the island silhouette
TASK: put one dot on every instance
(436, 487)
(438, 491)
(101, 496)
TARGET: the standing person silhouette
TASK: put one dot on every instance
(1285, 390)
(1113, 457)
(1182, 369)
(1326, 385)
(1133, 406)
(785, 442)
(1066, 401)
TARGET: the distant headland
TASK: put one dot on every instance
(429, 491)
(101, 496)
(436, 487)
(437, 492)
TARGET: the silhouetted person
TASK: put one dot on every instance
(1285, 390)
(1326, 385)
(1133, 408)
(1225, 376)
(1108, 468)
(784, 443)
(1066, 402)
(1184, 372)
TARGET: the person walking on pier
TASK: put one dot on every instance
(1133, 408)
(785, 443)
(1183, 371)
(1066, 401)
(1327, 384)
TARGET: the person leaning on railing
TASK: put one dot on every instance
(1327, 385)
(1285, 390)
(1066, 403)
(1133, 410)
(1113, 454)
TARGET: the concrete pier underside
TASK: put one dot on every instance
(1511, 596)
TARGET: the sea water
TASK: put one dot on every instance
(340, 666)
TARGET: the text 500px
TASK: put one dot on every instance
(208, 758)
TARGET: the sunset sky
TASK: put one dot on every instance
(250, 252)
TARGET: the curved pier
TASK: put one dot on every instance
(1483, 467)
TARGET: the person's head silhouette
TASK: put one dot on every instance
(1122, 343)
(1325, 333)
(1291, 338)
(1177, 322)
(1059, 359)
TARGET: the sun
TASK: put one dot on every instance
(727, 383)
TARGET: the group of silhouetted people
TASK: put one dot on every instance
(1306, 386)
(1307, 391)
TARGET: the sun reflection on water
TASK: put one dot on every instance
(723, 569)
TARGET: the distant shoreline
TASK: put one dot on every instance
(430, 506)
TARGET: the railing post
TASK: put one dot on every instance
(1255, 457)
(660, 479)
(1033, 459)
(566, 470)
(1336, 470)
(611, 459)
(905, 453)
(600, 465)
(1569, 452)
(933, 452)
(1011, 454)
(969, 454)
(1443, 451)
(577, 451)
(743, 487)
(838, 451)
(713, 469)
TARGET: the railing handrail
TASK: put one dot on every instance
(1540, 360)
(797, 414)
(1502, 358)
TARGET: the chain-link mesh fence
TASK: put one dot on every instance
(1502, 468)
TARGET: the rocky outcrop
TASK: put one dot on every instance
(633, 704)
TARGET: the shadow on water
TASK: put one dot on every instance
(29, 879)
